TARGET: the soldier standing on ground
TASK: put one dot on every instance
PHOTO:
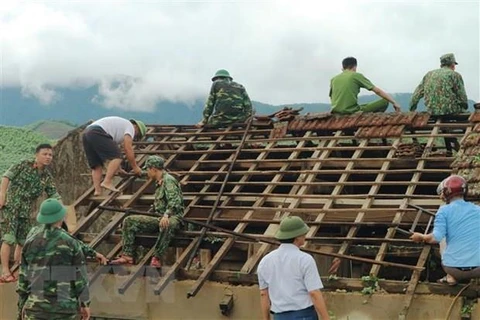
(101, 140)
(22, 185)
(227, 103)
(53, 281)
(168, 204)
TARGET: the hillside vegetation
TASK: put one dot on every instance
(52, 129)
(17, 144)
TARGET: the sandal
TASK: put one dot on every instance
(7, 278)
(124, 260)
(445, 281)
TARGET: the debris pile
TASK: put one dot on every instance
(409, 150)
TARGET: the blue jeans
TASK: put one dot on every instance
(304, 314)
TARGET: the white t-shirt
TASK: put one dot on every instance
(116, 127)
(289, 274)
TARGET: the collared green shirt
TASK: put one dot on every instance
(344, 90)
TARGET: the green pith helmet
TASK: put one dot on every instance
(154, 162)
(51, 211)
(291, 227)
(222, 73)
(141, 127)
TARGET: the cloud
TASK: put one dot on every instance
(140, 53)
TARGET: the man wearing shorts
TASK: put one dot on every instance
(101, 140)
(22, 185)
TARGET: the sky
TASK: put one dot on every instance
(142, 52)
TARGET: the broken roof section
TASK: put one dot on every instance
(352, 180)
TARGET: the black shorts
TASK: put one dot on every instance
(99, 146)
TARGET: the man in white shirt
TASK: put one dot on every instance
(101, 140)
(288, 278)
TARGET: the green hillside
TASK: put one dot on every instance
(17, 144)
(52, 129)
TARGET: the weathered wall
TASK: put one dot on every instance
(68, 166)
(139, 302)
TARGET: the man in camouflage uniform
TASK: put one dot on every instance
(22, 185)
(227, 103)
(53, 281)
(443, 89)
(444, 94)
(168, 204)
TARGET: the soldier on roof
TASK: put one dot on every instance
(345, 87)
(22, 185)
(168, 205)
(442, 89)
(227, 103)
(101, 140)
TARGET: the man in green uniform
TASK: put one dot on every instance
(443, 89)
(53, 281)
(227, 103)
(345, 87)
(22, 185)
(168, 204)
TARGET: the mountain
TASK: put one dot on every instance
(52, 129)
(77, 107)
(17, 144)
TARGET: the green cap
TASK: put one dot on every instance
(222, 73)
(448, 59)
(291, 227)
(141, 127)
(154, 162)
(51, 211)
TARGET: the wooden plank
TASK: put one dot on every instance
(369, 201)
(240, 228)
(250, 264)
(410, 190)
(412, 285)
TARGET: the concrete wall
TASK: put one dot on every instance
(139, 302)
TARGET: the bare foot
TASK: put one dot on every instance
(109, 187)
(98, 193)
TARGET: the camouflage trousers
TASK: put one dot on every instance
(137, 224)
(222, 119)
(14, 230)
(30, 315)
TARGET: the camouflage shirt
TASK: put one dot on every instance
(53, 275)
(169, 197)
(444, 92)
(86, 249)
(227, 103)
(27, 183)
